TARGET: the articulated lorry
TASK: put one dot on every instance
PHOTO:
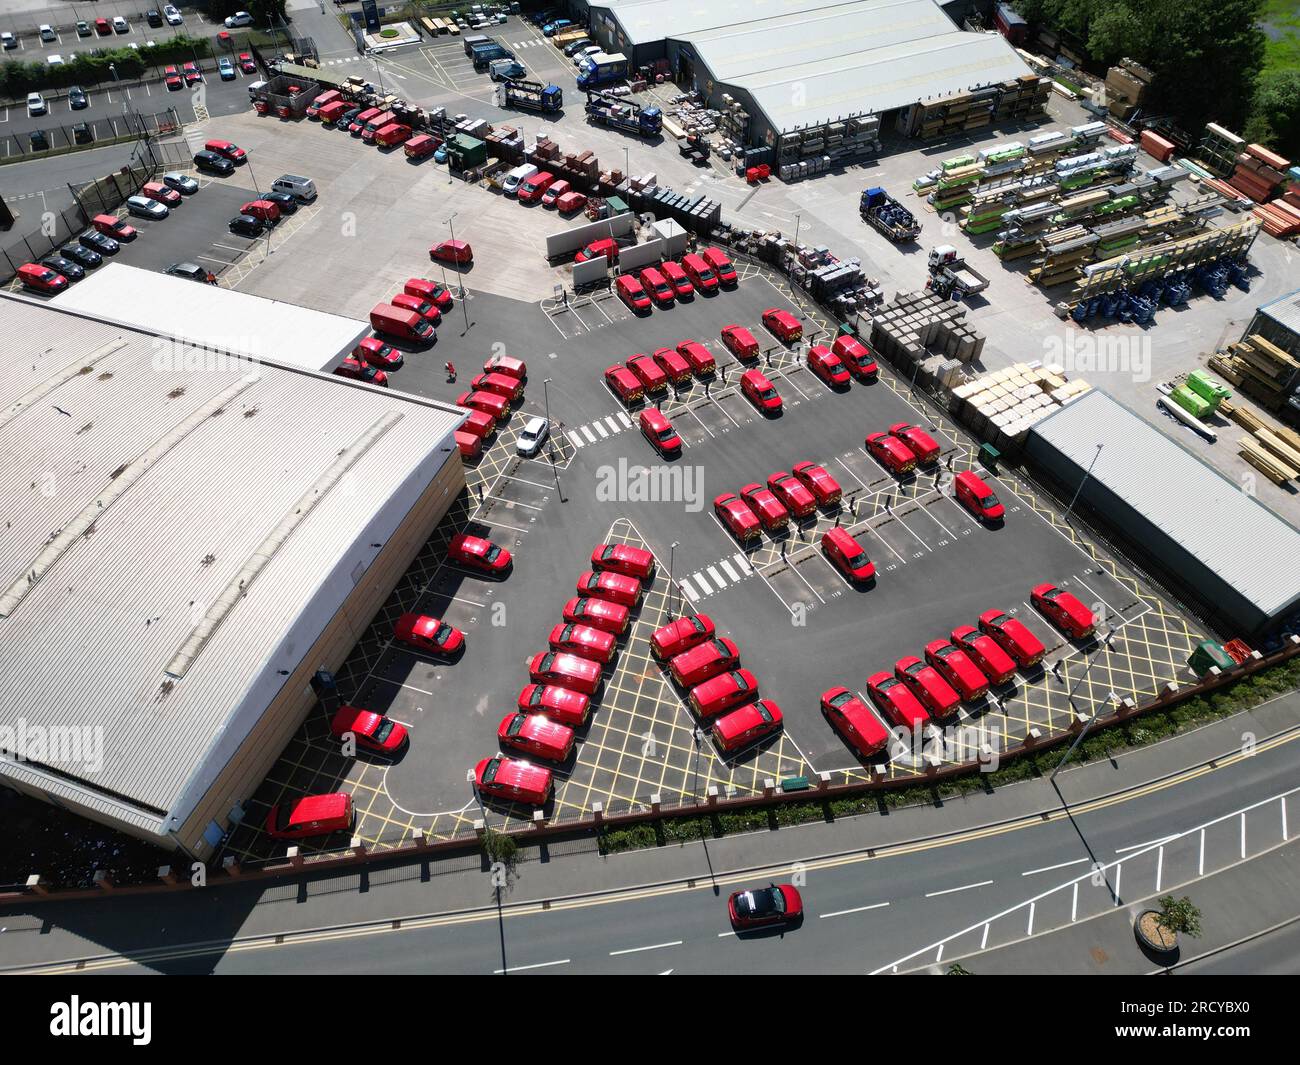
(606, 109)
(530, 96)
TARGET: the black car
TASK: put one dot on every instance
(40, 142)
(574, 46)
(189, 271)
(82, 133)
(282, 200)
(97, 241)
(63, 266)
(247, 224)
(77, 98)
(81, 255)
(347, 117)
(213, 163)
(182, 183)
(154, 18)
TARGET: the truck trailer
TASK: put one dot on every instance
(951, 276)
(606, 109)
(885, 214)
(530, 96)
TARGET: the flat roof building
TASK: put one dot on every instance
(186, 542)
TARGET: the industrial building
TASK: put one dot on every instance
(189, 537)
(814, 77)
(1215, 544)
(1278, 322)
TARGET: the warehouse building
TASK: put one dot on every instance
(187, 541)
(1278, 322)
(815, 77)
(1216, 545)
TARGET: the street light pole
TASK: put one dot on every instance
(1086, 475)
(546, 401)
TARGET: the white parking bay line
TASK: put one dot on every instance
(856, 909)
(1051, 868)
(638, 950)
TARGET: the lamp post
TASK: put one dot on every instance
(546, 400)
(1087, 473)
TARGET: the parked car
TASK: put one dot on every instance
(225, 149)
(856, 356)
(701, 273)
(855, 721)
(566, 670)
(586, 641)
(81, 256)
(559, 704)
(284, 203)
(36, 104)
(740, 342)
(721, 693)
(891, 453)
(626, 591)
(823, 486)
(172, 16)
(927, 684)
(69, 269)
(739, 520)
(703, 661)
(97, 240)
(1013, 637)
(699, 357)
(896, 701)
(188, 271)
(782, 324)
(533, 436)
(598, 614)
(247, 225)
(1063, 609)
(828, 366)
(624, 384)
(977, 497)
(457, 252)
(958, 669)
(918, 441)
(674, 367)
(721, 264)
(40, 278)
(154, 17)
(375, 352)
(757, 387)
(120, 25)
(985, 652)
(226, 69)
(112, 226)
(437, 295)
(488, 402)
(374, 732)
(763, 502)
(102, 27)
(681, 635)
(182, 183)
(657, 285)
(246, 63)
(427, 633)
(536, 734)
(632, 292)
(796, 497)
(848, 556)
(238, 20)
(480, 553)
(156, 190)
(749, 724)
(312, 815)
(627, 559)
(513, 780)
(77, 98)
(682, 287)
(212, 163)
(652, 378)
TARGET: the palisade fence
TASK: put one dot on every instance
(95, 133)
(101, 196)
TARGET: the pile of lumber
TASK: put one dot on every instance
(1280, 218)
(1259, 368)
(1272, 449)
(1259, 173)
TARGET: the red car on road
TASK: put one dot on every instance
(798, 499)
(703, 661)
(1064, 610)
(1013, 637)
(651, 377)
(985, 652)
(747, 725)
(632, 293)
(584, 640)
(919, 442)
(928, 685)
(828, 366)
(740, 342)
(760, 391)
(957, 668)
(428, 634)
(822, 485)
(736, 516)
(513, 780)
(457, 252)
(559, 704)
(568, 671)
(779, 904)
(782, 324)
(723, 692)
(375, 732)
(855, 721)
(896, 701)
(891, 453)
(625, 559)
(848, 555)
(598, 613)
(478, 553)
(626, 591)
(763, 502)
(624, 384)
(856, 357)
(977, 497)
(536, 734)
(681, 635)
(701, 358)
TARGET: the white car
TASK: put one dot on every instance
(533, 437)
(172, 16)
(36, 104)
(54, 60)
(8, 40)
(239, 18)
(47, 33)
(120, 25)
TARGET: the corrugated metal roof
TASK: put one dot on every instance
(88, 644)
(1285, 310)
(261, 329)
(1228, 531)
(810, 61)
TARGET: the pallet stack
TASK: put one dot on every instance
(921, 328)
(1002, 406)
(1259, 368)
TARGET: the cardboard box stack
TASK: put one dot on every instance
(1002, 405)
(1126, 85)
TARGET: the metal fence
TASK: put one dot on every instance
(101, 196)
(110, 129)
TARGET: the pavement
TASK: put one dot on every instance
(875, 886)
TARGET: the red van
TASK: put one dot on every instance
(317, 105)
(570, 202)
(359, 123)
(534, 188)
(420, 146)
(717, 259)
(606, 248)
(112, 226)
(312, 815)
(402, 324)
(331, 113)
(374, 125)
(227, 149)
(700, 272)
(392, 135)
(469, 445)
(267, 211)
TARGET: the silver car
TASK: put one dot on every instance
(143, 207)
(533, 437)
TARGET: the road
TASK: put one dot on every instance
(866, 909)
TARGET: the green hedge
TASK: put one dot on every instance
(92, 68)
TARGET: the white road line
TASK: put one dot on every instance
(703, 582)
(591, 437)
(1050, 868)
(521, 968)
(613, 425)
(638, 950)
(888, 546)
(717, 577)
(727, 568)
(525, 480)
(604, 433)
(898, 518)
(856, 909)
(575, 440)
(743, 563)
(1148, 843)
(951, 890)
(627, 422)
(701, 424)
(691, 594)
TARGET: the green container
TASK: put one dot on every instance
(1207, 654)
(1191, 402)
(989, 457)
(796, 784)
(957, 161)
(1209, 389)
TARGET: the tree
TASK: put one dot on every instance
(1179, 916)
(1275, 111)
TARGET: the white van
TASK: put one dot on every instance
(520, 174)
(300, 188)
